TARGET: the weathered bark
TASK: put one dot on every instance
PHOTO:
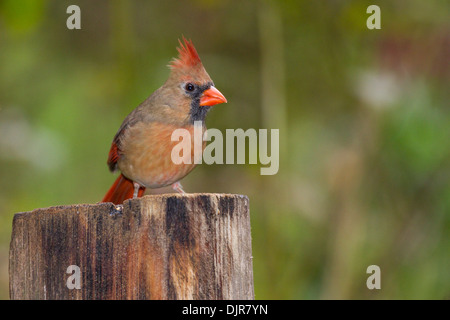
(193, 246)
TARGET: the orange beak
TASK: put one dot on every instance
(211, 97)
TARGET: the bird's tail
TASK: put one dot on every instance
(121, 190)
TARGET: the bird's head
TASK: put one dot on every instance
(191, 83)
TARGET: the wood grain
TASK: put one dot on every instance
(193, 246)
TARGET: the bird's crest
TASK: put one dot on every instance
(187, 55)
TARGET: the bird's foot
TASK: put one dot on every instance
(178, 187)
(136, 189)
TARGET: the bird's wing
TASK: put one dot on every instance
(115, 150)
(113, 157)
(141, 113)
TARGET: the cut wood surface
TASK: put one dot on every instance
(172, 246)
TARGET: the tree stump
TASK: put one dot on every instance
(190, 246)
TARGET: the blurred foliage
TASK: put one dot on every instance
(363, 115)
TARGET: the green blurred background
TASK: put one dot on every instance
(364, 123)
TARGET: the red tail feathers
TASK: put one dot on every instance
(121, 190)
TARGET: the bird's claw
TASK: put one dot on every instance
(136, 189)
(178, 187)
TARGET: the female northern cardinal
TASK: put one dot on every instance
(142, 147)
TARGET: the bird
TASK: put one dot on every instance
(142, 147)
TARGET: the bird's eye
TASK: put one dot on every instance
(189, 87)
